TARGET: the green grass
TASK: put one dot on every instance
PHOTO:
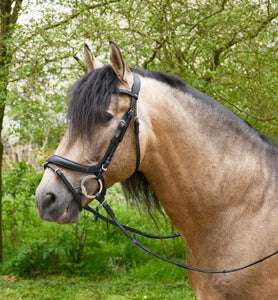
(121, 287)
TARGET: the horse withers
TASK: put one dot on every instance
(215, 176)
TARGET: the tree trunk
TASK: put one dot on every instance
(9, 14)
(1, 234)
(3, 94)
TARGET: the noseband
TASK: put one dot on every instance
(97, 170)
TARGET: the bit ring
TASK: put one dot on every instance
(83, 188)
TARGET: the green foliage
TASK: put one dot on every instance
(19, 184)
(35, 258)
(20, 180)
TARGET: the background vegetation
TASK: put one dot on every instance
(225, 48)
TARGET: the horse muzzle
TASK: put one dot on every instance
(59, 201)
(57, 206)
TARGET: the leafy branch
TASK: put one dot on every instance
(247, 113)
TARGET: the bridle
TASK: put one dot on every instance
(97, 170)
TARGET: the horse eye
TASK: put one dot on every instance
(107, 118)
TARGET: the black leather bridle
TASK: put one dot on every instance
(97, 170)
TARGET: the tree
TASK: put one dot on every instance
(227, 49)
(8, 18)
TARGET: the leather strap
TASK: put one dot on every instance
(66, 182)
(134, 97)
(71, 165)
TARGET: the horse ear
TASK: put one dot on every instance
(91, 62)
(119, 65)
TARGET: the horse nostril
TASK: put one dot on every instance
(48, 201)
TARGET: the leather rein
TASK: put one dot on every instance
(97, 170)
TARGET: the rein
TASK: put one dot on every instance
(97, 170)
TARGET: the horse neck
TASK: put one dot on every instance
(202, 166)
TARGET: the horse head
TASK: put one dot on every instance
(99, 102)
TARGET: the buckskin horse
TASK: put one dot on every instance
(215, 176)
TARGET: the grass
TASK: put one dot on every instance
(118, 288)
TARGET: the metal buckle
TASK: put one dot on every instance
(83, 189)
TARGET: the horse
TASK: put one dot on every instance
(215, 176)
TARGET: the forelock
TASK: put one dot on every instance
(90, 100)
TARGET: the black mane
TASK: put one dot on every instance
(90, 100)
